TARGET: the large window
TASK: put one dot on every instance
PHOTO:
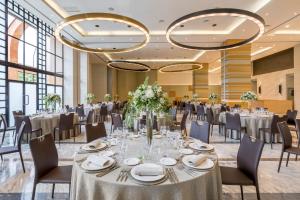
(31, 59)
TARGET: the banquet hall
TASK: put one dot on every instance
(150, 100)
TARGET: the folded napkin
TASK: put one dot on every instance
(99, 161)
(197, 160)
(149, 171)
(201, 145)
(94, 144)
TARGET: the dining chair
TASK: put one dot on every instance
(103, 113)
(287, 143)
(80, 112)
(94, 132)
(182, 123)
(16, 148)
(5, 127)
(173, 113)
(88, 120)
(200, 112)
(200, 131)
(213, 120)
(273, 130)
(116, 121)
(291, 117)
(233, 122)
(28, 129)
(193, 111)
(45, 160)
(66, 124)
(245, 174)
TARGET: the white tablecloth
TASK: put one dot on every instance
(206, 185)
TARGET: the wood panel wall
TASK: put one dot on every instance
(200, 81)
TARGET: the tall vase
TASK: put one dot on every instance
(149, 125)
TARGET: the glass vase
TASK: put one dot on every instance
(149, 126)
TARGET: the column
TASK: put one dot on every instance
(200, 81)
(297, 79)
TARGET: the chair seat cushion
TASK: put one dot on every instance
(234, 176)
(293, 150)
(60, 174)
(9, 149)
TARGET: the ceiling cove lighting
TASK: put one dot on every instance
(114, 65)
(100, 16)
(258, 20)
(195, 66)
(287, 32)
(260, 51)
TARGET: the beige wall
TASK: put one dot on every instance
(178, 90)
(99, 81)
(182, 78)
(269, 84)
(297, 78)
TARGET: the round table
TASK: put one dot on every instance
(205, 185)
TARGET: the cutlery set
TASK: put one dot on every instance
(123, 175)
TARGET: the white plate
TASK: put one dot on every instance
(146, 178)
(168, 161)
(132, 161)
(157, 136)
(208, 164)
(87, 165)
(186, 151)
(99, 147)
(206, 147)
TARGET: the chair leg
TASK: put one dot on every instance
(75, 133)
(212, 128)
(3, 136)
(70, 191)
(33, 191)
(240, 134)
(257, 191)
(271, 140)
(280, 161)
(225, 133)
(53, 188)
(1, 158)
(242, 192)
(287, 159)
(21, 157)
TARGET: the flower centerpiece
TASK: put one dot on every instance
(90, 98)
(248, 96)
(51, 100)
(213, 97)
(149, 98)
(195, 97)
(107, 97)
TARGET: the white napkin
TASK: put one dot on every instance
(149, 171)
(94, 144)
(201, 145)
(98, 161)
(197, 160)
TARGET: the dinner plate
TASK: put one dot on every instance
(99, 147)
(146, 178)
(186, 151)
(208, 164)
(132, 161)
(108, 153)
(168, 161)
(89, 166)
(201, 146)
(157, 136)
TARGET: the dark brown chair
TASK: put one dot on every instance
(28, 129)
(80, 112)
(88, 120)
(66, 124)
(286, 143)
(94, 132)
(116, 121)
(247, 165)
(15, 148)
(182, 123)
(193, 111)
(200, 112)
(233, 122)
(5, 127)
(45, 160)
(173, 113)
(200, 131)
(103, 113)
(213, 120)
(273, 130)
(291, 117)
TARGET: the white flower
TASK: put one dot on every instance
(149, 93)
(162, 100)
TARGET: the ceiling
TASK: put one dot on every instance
(282, 27)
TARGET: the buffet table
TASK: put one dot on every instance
(196, 184)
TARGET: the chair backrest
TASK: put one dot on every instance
(248, 156)
(44, 154)
(276, 119)
(90, 117)
(210, 115)
(192, 107)
(67, 107)
(183, 120)
(223, 108)
(298, 128)
(103, 110)
(233, 121)
(18, 122)
(291, 116)
(66, 122)
(285, 135)
(200, 110)
(173, 113)
(155, 123)
(28, 127)
(200, 131)
(94, 132)
(17, 112)
(4, 122)
(116, 120)
(80, 111)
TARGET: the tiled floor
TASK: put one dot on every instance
(282, 186)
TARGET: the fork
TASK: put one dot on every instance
(121, 174)
(107, 171)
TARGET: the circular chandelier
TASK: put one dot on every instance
(258, 20)
(105, 17)
(113, 64)
(195, 66)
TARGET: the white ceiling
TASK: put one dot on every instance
(156, 15)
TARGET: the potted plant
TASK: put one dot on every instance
(51, 100)
(107, 97)
(90, 98)
(212, 98)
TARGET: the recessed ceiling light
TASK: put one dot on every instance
(295, 13)
(172, 48)
(287, 26)
(206, 20)
(97, 26)
(111, 9)
(114, 48)
(182, 25)
(267, 14)
(214, 25)
(161, 21)
(129, 26)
